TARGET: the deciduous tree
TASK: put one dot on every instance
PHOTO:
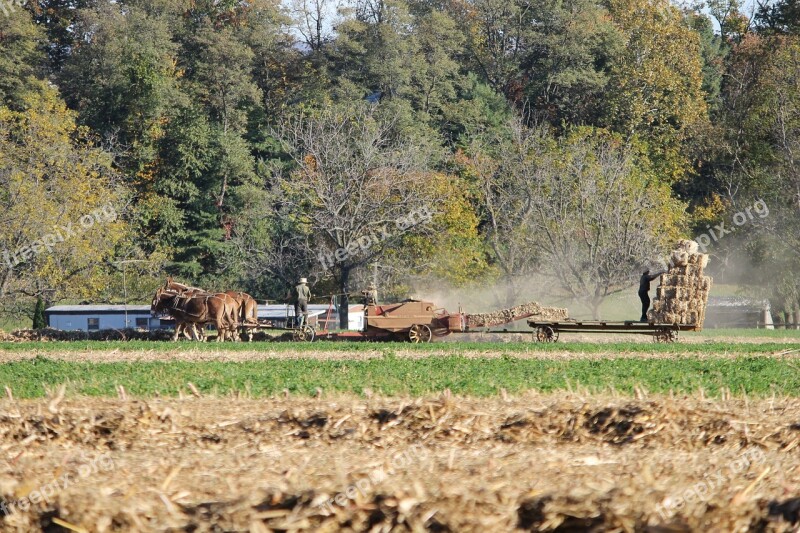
(62, 204)
(586, 210)
(21, 57)
(357, 186)
(656, 86)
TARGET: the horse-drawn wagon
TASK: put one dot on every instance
(415, 321)
(548, 331)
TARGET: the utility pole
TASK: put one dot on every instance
(125, 284)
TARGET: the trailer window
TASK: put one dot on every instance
(93, 323)
(142, 323)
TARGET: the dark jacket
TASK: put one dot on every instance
(644, 281)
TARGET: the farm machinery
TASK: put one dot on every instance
(679, 305)
(419, 321)
(412, 320)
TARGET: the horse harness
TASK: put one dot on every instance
(179, 302)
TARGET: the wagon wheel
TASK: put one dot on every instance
(419, 333)
(658, 335)
(665, 335)
(304, 333)
(546, 334)
(672, 335)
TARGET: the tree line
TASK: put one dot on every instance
(249, 143)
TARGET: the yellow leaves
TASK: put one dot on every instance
(60, 211)
(656, 89)
(177, 71)
(710, 211)
(310, 163)
(662, 65)
(452, 244)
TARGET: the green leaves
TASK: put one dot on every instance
(21, 57)
(186, 100)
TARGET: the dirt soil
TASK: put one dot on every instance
(560, 462)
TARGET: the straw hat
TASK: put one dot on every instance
(303, 280)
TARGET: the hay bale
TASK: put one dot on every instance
(679, 270)
(688, 246)
(698, 262)
(679, 258)
(676, 279)
(504, 316)
(682, 294)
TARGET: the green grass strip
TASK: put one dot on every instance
(758, 376)
(389, 348)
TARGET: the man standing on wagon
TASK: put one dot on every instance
(370, 295)
(302, 295)
(644, 290)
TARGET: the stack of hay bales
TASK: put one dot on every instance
(505, 316)
(682, 296)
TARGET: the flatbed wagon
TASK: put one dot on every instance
(549, 331)
(421, 322)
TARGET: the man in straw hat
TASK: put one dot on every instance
(644, 290)
(302, 295)
(370, 295)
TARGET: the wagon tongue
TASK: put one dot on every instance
(504, 316)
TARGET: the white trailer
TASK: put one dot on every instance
(103, 316)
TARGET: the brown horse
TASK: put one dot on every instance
(231, 305)
(172, 285)
(247, 312)
(196, 309)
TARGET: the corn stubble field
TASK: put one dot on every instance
(529, 461)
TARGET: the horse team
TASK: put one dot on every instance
(193, 308)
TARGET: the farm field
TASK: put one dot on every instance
(142, 368)
(536, 462)
(475, 436)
